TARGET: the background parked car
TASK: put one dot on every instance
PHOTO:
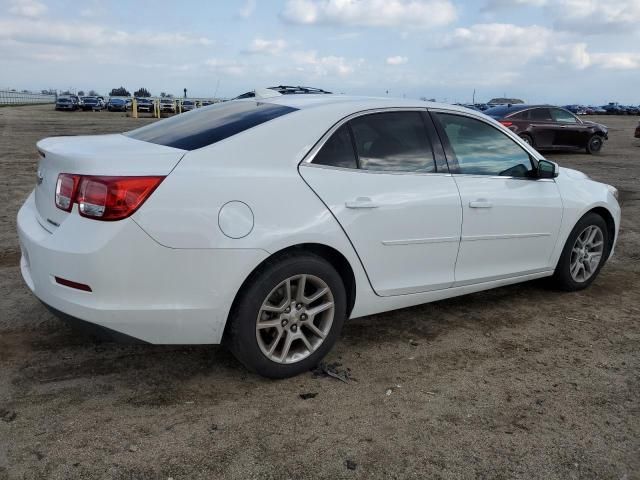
(614, 109)
(576, 109)
(167, 105)
(145, 105)
(117, 105)
(91, 103)
(550, 128)
(188, 105)
(66, 103)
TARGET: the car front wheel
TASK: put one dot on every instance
(287, 316)
(584, 253)
(594, 145)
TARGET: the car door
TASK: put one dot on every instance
(511, 218)
(543, 128)
(570, 131)
(395, 200)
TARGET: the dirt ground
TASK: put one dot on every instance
(518, 382)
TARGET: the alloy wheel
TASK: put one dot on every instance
(595, 144)
(295, 319)
(586, 253)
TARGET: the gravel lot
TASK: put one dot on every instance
(519, 382)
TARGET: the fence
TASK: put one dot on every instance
(8, 97)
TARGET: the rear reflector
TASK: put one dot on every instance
(104, 198)
(65, 191)
(72, 284)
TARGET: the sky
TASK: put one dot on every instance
(556, 51)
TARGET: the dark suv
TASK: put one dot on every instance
(550, 128)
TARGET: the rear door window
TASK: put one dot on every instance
(541, 115)
(393, 141)
(338, 151)
(206, 126)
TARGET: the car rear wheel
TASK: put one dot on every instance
(594, 145)
(288, 316)
(527, 139)
(584, 254)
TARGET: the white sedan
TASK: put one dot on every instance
(265, 223)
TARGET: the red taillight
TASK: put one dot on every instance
(109, 198)
(506, 123)
(66, 190)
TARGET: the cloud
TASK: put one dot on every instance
(500, 41)
(500, 4)
(27, 8)
(397, 60)
(85, 34)
(617, 61)
(589, 16)
(370, 13)
(582, 16)
(227, 67)
(322, 66)
(247, 9)
(505, 44)
(268, 47)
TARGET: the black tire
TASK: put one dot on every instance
(527, 138)
(240, 333)
(562, 276)
(594, 145)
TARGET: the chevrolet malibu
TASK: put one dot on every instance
(265, 223)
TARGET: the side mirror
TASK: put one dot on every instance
(547, 169)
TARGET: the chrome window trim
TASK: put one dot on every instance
(377, 172)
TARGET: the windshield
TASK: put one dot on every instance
(205, 126)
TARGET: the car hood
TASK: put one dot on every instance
(571, 173)
(594, 124)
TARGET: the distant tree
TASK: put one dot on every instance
(163, 94)
(81, 93)
(169, 95)
(93, 93)
(26, 91)
(66, 92)
(142, 92)
(120, 92)
(48, 92)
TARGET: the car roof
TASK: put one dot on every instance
(503, 110)
(340, 103)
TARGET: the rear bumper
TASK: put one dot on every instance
(139, 288)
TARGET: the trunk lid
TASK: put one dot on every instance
(113, 154)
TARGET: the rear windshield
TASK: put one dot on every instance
(205, 126)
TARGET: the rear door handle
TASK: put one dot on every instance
(480, 203)
(361, 202)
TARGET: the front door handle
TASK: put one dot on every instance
(361, 202)
(480, 203)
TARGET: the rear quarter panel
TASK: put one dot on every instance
(258, 167)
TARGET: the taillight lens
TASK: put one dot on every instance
(66, 190)
(110, 198)
(506, 123)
